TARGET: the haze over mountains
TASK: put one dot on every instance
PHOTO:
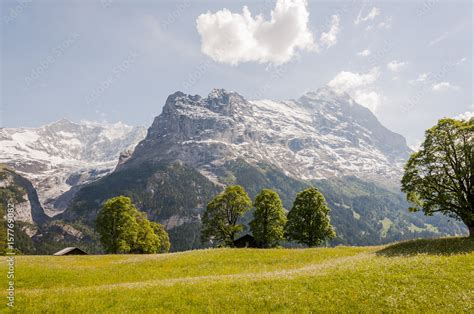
(197, 145)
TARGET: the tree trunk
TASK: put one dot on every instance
(471, 231)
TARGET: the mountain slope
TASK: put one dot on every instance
(60, 156)
(18, 194)
(199, 145)
(18, 191)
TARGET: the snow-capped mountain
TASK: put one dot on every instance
(62, 155)
(322, 134)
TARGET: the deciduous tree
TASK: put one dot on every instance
(269, 219)
(124, 229)
(220, 220)
(439, 177)
(308, 220)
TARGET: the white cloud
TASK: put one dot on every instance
(445, 86)
(438, 39)
(395, 65)
(346, 80)
(468, 115)
(420, 79)
(329, 39)
(369, 99)
(364, 53)
(358, 86)
(374, 12)
(239, 37)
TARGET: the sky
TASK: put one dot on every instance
(410, 62)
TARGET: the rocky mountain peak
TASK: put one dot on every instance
(320, 135)
(62, 122)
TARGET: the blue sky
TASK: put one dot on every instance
(110, 60)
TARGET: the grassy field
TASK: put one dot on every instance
(422, 275)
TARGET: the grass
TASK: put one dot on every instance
(422, 275)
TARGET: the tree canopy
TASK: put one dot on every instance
(220, 220)
(124, 229)
(308, 220)
(269, 219)
(439, 177)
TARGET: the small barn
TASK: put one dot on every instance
(245, 241)
(70, 251)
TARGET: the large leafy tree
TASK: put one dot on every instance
(117, 225)
(269, 219)
(124, 229)
(439, 177)
(220, 220)
(308, 220)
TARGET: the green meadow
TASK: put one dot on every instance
(421, 275)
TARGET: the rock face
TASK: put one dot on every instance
(60, 156)
(18, 191)
(320, 135)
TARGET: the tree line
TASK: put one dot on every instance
(123, 229)
(307, 222)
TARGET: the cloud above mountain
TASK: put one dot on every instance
(234, 38)
(359, 86)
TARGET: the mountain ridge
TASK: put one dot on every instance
(317, 131)
(61, 155)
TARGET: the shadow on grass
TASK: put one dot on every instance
(443, 246)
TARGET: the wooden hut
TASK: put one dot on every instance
(70, 251)
(245, 241)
